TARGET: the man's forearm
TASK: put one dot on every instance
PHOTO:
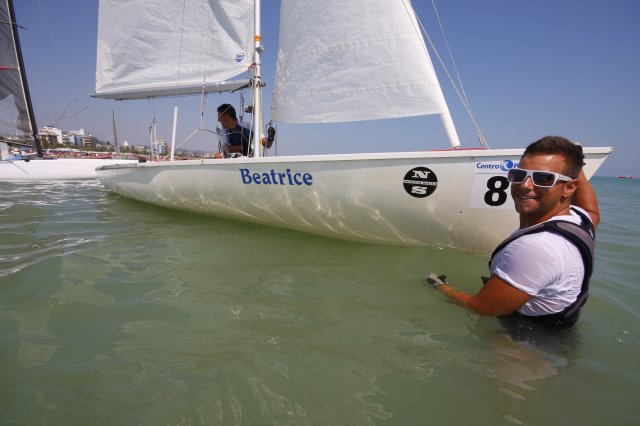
(585, 198)
(456, 296)
(495, 298)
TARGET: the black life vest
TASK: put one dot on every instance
(583, 237)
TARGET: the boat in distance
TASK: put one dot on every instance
(18, 129)
(54, 169)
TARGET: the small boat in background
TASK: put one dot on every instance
(18, 130)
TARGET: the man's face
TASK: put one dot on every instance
(537, 204)
(225, 121)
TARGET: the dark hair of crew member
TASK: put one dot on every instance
(228, 110)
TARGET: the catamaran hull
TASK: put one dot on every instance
(456, 198)
(54, 169)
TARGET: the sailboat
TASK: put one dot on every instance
(332, 66)
(18, 128)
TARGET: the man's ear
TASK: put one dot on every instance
(570, 187)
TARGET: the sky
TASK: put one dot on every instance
(529, 69)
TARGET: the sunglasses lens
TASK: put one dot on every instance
(517, 175)
(544, 178)
(539, 178)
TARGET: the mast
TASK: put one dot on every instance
(23, 78)
(257, 83)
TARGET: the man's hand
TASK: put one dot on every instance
(435, 280)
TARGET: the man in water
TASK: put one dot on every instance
(541, 273)
(238, 137)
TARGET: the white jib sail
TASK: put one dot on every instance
(352, 60)
(165, 47)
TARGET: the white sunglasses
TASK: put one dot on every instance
(539, 178)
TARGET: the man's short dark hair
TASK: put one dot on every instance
(228, 110)
(557, 145)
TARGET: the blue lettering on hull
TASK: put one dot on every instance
(276, 178)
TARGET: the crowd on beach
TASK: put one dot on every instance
(23, 153)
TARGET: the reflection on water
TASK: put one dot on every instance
(111, 309)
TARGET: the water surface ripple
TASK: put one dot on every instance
(116, 312)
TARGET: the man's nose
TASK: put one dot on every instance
(528, 183)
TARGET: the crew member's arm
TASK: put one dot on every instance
(585, 197)
(235, 148)
(497, 297)
(235, 139)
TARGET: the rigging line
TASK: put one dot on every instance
(467, 108)
(13, 24)
(184, 7)
(481, 137)
(64, 113)
(185, 140)
(204, 98)
(202, 101)
(446, 42)
(151, 104)
(63, 53)
(76, 113)
(151, 110)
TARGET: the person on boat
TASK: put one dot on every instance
(238, 138)
(540, 274)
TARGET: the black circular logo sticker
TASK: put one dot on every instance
(420, 182)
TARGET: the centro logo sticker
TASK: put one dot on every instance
(240, 57)
(420, 182)
(507, 165)
(495, 166)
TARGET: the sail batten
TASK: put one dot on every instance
(348, 61)
(176, 49)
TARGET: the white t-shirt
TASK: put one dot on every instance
(544, 265)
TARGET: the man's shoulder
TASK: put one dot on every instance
(543, 246)
(576, 215)
(536, 239)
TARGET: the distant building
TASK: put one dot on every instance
(90, 141)
(159, 147)
(56, 139)
(75, 137)
(51, 134)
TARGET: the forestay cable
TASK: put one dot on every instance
(466, 106)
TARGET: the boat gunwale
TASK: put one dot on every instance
(435, 154)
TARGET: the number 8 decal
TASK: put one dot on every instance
(497, 193)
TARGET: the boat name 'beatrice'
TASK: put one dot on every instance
(276, 178)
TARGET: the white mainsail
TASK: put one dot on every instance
(346, 61)
(16, 123)
(177, 48)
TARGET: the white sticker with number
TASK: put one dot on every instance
(490, 187)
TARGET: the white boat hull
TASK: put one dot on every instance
(456, 198)
(54, 169)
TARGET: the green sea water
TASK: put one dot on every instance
(114, 312)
